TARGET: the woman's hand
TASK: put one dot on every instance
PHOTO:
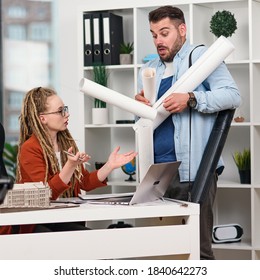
(78, 158)
(72, 163)
(115, 160)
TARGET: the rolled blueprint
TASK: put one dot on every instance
(112, 97)
(149, 84)
(191, 79)
(196, 74)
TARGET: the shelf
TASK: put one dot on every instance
(232, 185)
(117, 182)
(235, 202)
(114, 67)
(238, 124)
(242, 245)
(109, 126)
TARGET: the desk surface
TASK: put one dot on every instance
(145, 239)
(90, 212)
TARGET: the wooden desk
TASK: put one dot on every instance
(161, 228)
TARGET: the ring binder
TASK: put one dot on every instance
(88, 39)
(112, 38)
(97, 38)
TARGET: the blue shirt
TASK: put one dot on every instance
(163, 136)
(217, 92)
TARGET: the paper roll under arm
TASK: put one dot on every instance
(117, 99)
(196, 74)
(191, 79)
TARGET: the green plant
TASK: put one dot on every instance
(126, 48)
(223, 23)
(242, 159)
(10, 159)
(100, 77)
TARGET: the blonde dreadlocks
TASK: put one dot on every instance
(34, 103)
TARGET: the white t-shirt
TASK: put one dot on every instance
(168, 70)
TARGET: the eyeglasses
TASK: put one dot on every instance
(62, 112)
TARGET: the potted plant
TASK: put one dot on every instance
(223, 23)
(243, 163)
(100, 111)
(10, 159)
(126, 50)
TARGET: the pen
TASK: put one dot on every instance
(70, 154)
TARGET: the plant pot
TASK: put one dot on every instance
(245, 176)
(100, 115)
(125, 58)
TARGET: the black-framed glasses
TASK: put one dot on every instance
(63, 111)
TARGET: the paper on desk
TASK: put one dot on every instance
(149, 84)
(112, 97)
(104, 196)
(66, 200)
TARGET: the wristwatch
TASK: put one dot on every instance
(192, 102)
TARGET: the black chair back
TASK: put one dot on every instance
(2, 144)
(6, 183)
(211, 156)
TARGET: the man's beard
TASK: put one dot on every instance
(176, 47)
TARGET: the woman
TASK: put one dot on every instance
(44, 141)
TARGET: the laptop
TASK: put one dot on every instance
(152, 187)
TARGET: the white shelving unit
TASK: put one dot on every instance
(235, 203)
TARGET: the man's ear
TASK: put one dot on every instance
(182, 29)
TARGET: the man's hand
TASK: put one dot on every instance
(140, 97)
(176, 102)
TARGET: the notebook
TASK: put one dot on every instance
(152, 187)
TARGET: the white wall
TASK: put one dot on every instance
(67, 58)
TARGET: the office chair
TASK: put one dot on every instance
(2, 144)
(6, 183)
(211, 156)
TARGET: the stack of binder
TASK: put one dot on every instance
(103, 35)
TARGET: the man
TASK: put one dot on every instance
(172, 138)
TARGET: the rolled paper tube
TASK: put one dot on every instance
(117, 99)
(196, 74)
(144, 146)
(149, 84)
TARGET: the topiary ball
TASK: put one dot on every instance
(223, 23)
